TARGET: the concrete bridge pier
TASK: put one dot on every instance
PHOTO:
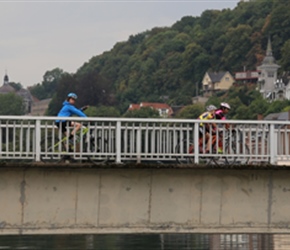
(130, 198)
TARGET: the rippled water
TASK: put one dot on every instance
(148, 242)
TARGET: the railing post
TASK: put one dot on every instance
(196, 146)
(118, 142)
(37, 140)
(138, 144)
(273, 141)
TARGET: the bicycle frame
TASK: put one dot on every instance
(83, 131)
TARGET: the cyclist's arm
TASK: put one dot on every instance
(84, 108)
(227, 126)
(77, 112)
(221, 116)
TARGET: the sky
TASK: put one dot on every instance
(38, 36)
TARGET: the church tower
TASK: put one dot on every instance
(6, 79)
(268, 72)
(6, 87)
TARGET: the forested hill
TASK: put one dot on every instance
(168, 63)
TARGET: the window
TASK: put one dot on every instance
(163, 111)
(270, 74)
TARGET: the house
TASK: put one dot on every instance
(23, 93)
(216, 81)
(164, 109)
(249, 76)
(39, 107)
(282, 116)
(199, 99)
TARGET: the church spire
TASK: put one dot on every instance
(269, 58)
(269, 48)
(6, 78)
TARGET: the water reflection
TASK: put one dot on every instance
(148, 242)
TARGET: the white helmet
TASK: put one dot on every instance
(225, 105)
(211, 108)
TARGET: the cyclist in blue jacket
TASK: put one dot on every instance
(68, 109)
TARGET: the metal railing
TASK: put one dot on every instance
(25, 138)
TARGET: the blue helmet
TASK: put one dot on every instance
(72, 95)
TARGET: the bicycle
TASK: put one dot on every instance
(232, 145)
(55, 148)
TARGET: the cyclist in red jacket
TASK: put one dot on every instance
(220, 114)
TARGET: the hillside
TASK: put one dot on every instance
(168, 63)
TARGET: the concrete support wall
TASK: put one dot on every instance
(37, 200)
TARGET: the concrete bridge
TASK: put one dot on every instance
(137, 198)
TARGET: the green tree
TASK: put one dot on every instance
(11, 104)
(191, 111)
(276, 107)
(102, 111)
(143, 112)
(257, 107)
(16, 86)
(287, 108)
(49, 84)
(67, 84)
(285, 58)
(238, 46)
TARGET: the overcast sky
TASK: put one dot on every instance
(37, 36)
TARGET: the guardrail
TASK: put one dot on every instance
(26, 138)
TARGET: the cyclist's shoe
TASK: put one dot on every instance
(220, 150)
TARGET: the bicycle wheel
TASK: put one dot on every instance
(231, 151)
(51, 149)
(184, 147)
(240, 152)
(99, 149)
(243, 153)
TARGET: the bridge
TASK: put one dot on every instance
(142, 176)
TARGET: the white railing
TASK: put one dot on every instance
(118, 140)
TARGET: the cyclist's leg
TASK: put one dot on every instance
(63, 127)
(209, 141)
(201, 138)
(76, 127)
(208, 137)
(217, 146)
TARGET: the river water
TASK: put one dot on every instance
(148, 242)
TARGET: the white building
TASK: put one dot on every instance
(268, 75)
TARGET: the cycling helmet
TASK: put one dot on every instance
(211, 108)
(225, 105)
(72, 95)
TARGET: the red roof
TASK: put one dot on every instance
(154, 105)
(134, 106)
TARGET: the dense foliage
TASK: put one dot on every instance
(171, 61)
(11, 104)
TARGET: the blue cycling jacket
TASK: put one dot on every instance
(69, 110)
